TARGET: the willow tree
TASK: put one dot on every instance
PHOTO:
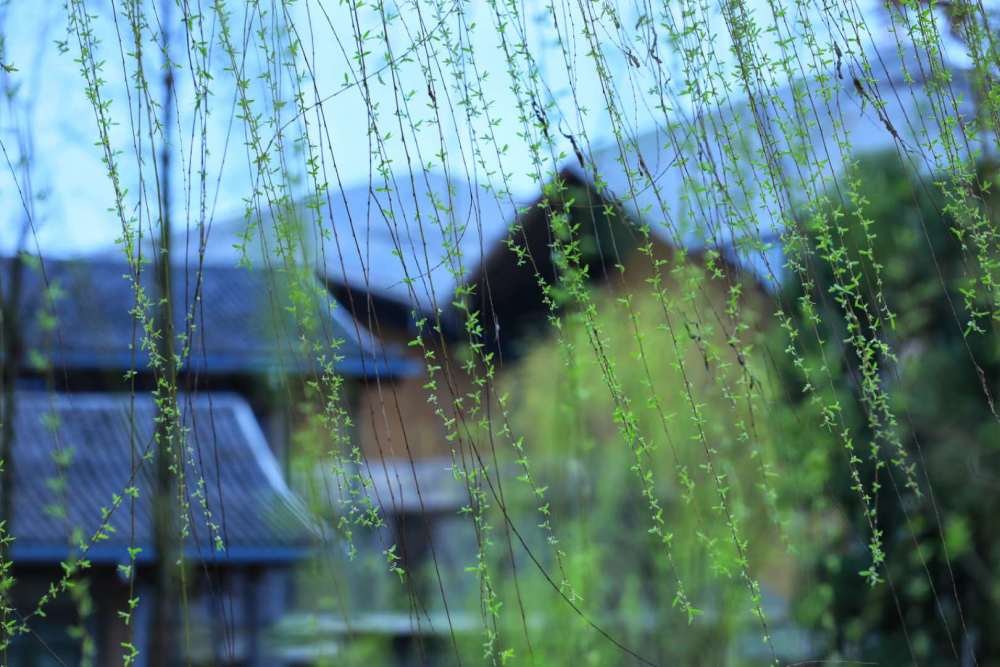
(731, 130)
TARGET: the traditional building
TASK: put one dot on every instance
(83, 492)
(82, 459)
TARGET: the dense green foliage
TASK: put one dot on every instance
(940, 542)
(595, 528)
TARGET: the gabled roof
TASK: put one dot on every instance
(507, 293)
(242, 325)
(92, 435)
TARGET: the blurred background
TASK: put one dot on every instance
(444, 333)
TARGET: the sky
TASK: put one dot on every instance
(46, 113)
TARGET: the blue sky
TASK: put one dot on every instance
(72, 194)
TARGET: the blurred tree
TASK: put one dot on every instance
(941, 383)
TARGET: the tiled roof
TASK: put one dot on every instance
(399, 240)
(405, 242)
(242, 325)
(73, 453)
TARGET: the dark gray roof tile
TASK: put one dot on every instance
(243, 323)
(257, 516)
